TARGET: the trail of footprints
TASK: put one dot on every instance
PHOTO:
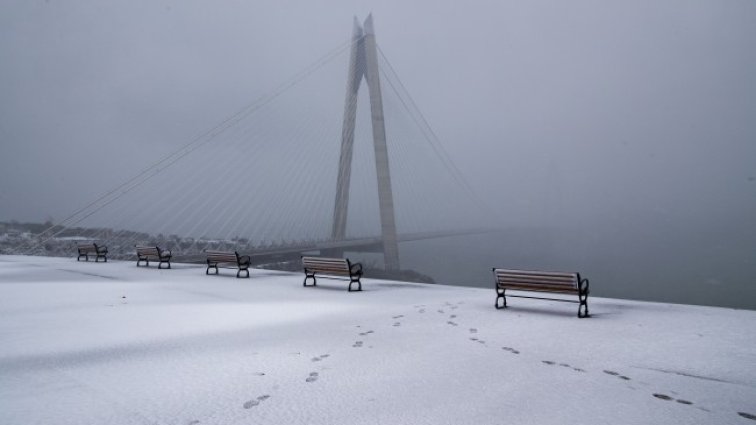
(473, 332)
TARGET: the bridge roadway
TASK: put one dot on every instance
(337, 248)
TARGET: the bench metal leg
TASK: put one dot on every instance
(583, 297)
(500, 296)
(147, 262)
(164, 262)
(307, 276)
(211, 267)
(359, 285)
(243, 270)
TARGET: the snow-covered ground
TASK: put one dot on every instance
(110, 343)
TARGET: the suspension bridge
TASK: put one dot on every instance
(283, 176)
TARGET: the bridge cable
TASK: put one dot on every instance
(198, 141)
(432, 137)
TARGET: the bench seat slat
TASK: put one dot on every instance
(570, 277)
(534, 279)
(536, 273)
(506, 282)
(540, 289)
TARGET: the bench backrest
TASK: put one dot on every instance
(339, 266)
(148, 250)
(84, 247)
(528, 280)
(222, 257)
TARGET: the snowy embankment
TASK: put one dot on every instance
(110, 343)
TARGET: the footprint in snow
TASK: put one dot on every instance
(397, 324)
(357, 344)
(313, 377)
(453, 316)
(747, 416)
(320, 357)
(510, 349)
(668, 398)
(452, 323)
(613, 373)
(252, 403)
(550, 363)
(398, 317)
(473, 331)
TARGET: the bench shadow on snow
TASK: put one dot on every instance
(547, 310)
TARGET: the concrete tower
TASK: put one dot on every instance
(363, 62)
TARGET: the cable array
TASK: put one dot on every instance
(265, 176)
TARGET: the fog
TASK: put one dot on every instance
(592, 116)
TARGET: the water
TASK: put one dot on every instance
(673, 265)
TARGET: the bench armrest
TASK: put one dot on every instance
(244, 260)
(165, 253)
(355, 268)
(583, 286)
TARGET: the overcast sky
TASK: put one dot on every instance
(554, 111)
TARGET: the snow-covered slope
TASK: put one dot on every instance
(110, 343)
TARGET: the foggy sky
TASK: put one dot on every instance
(554, 111)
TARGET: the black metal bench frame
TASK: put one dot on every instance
(86, 249)
(216, 258)
(144, 253)
(581, 289)
(352, 270)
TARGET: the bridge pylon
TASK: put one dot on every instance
(363, 62)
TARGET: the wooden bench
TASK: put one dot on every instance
(332, 267)
(91, 248)
(538, 281)
(144, 253)
(229, 260)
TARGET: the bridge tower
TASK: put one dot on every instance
(363, 62)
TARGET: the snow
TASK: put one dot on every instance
(110, 343)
